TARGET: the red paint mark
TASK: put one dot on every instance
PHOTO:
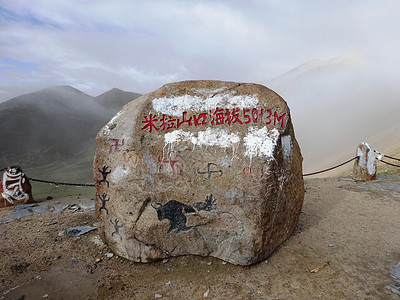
(215, 117)
(247, 117)
(261, 119)
(167, 122)
(130, 157)
(116, 145)
(185, 120)
(269, 117)
(201, 119)
(279, 119)
(254, 114)
(236, 117)
(149, 121)
(173, 161)
(247, 171)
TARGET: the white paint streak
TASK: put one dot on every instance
(260, 142)
(367, 158)
(175, 106)
(12, 186)
(286, 146)
(216, 137)
(119, 174)
(210, 137)
(106, 129)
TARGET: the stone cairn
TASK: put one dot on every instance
(15, 188)
(364, 168)
(206, 168)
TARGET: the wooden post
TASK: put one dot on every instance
(364, 168)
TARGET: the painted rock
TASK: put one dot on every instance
(205, 168)
(15, 188)
(364, 168)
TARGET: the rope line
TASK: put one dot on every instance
(304, 175)
(334, 167)
(61, 183)
(388, 163)
(398, 159)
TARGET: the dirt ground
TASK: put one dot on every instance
(348, 232)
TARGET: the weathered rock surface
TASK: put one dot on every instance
(15, 188)
(364, 168)
(206, 168)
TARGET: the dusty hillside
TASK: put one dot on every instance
(347, 234)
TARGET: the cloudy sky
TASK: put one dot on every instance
(140, 45)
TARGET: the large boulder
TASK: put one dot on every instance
(15, 188)
(205, 168)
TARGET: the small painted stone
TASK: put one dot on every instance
(15, 188)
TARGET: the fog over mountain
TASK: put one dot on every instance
(55, 124)
(337, 104)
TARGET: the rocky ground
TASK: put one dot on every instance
(345, 246)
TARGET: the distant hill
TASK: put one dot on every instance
(57, 125)
(114, 99)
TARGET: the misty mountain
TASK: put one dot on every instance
(337, 104)
(114, 99)
(55, 124)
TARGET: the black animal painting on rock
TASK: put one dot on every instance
(174, 211)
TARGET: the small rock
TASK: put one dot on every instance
(394, 287)
(5, 220)
(25, 206)
(73, 207)
(59, 207)
(224, 262)
(210, 263)
(206, 293)
(156, 296)
(109, 255)
(45, 296)
(395, 273)
(87, 206)
(331, 245)
(165, 260)
(79, 230)
(97, 260)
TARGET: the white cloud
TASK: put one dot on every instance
(141, 45)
